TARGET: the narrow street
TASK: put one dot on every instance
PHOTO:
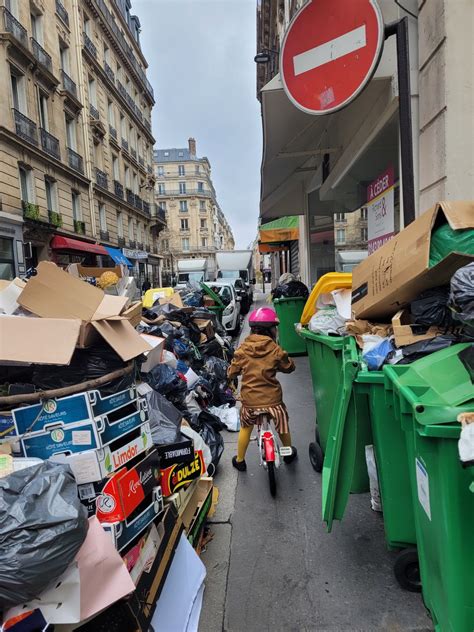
(271, 564)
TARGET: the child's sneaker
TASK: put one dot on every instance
(292, 456)
(239, 465)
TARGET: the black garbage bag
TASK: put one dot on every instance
(217, 367)
(431, 308)
(462, 295)
(193, 298)
(166, 380)
(426, 347)
(293, 289)
(207, 418)
(214, 440)
(42, 527)
(165, 419)
(86, 364)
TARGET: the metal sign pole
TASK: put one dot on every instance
(400, 30)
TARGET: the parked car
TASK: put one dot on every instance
(232, 301)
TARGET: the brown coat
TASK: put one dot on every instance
(258, 359)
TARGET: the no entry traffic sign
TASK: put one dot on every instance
(330, 51)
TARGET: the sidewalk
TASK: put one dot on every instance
(272, 565)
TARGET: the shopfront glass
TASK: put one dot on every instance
(7, 261)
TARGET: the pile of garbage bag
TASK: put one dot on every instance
(289, 287)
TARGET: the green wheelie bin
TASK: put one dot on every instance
(289, 312)
(428, 395)
(334, 362)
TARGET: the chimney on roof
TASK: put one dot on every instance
(192, 147)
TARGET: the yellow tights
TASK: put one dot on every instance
(244, 440)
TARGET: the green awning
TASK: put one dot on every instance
(282, 229)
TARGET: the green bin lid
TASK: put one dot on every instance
(212, 294)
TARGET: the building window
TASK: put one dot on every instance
(135, 183)
(127, 178)
(180, 154)
(165, 245)
(183, 205)
(71, 133)
(204, 224)
(182, 187)
(102, 218)
(92, 92)
(163, 206)
(340, 217)
(37, 27)
(161, 170)
(51, 195)
(87, 25)
(130, 228)
(106, 54)
(123, 127)
(167, 153)
(363, 212)
(111, 113)
(340, 236)
(197, 169)
(26, 184)
(200, 187)
(161, 188)
(43, 111)
(119, 224)
(181, 170)
(204, 242)
(202, 205)
(115, 168)
(64, 55)
(18, 92)
(184, 224)
(139, 232)
(7, 262)
(364, 233)
(185, 244)
(76, 206)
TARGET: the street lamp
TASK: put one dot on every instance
(265, 56)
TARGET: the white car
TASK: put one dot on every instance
(231, 314)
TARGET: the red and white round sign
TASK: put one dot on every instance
(330, 51)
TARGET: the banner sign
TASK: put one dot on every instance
(380, 210)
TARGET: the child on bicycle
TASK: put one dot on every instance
(258, 359)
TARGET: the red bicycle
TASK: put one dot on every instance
(270, 449)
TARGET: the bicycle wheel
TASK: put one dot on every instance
(272, 477)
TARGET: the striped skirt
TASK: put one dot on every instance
(278, 413)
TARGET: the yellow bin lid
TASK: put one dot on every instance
(154, 294)
(327, 283)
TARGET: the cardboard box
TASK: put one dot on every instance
(154, 356)
(53, 293)
(94, 465)
(174, 299)
(182, 451)
(206, 327)
(197, 508)
(398, 272)
(133, 314)
(406, 333)
(208, 301)
(177, 476)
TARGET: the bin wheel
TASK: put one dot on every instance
(316, 456)
(407, 570)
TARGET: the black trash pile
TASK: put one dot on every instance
(289, 287)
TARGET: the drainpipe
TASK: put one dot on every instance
(83, 115)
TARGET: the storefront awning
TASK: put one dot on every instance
(267, 248)
(283, 229)
(66, 243)
(118, 256)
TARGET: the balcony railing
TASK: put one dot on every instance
(149, 169)
(124, 144)
(90, 46)
(79, 227)
(109, 72)
(94, 112)
(187, 193)
(113, 132)
(132, 243)
(55, 219)
(121, 241)
(139, 245)
(101, 178)
(50, 144)
(121, 89)
(25, 127)
(138, 113)
(146, 207)
(137, 202)
(14, 27)
(118, 189)
(160, 213)
(147, 125)
(61, 11)
(75, 160)
(130, 196)
(104, 235)
(41, 55)
(68, 84)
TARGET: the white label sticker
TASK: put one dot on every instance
(423, 484)
(81, 437)
(86, 491)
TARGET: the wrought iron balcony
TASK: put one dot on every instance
(104, 235)
(147, 124)
(109, 72)
(187, 193)
(50, 144)
(121, 241)
(113, 132)
(138, 113)
(55, 219)
(149, 169)
(101, 178)
(124, 144)
(139, 245)
(61, 11)
(68, 84)
(118, 189)
(90, 46)
(137, 202)
(14, 27)
(132, 243)
(160, 213)
(25, 127)
(130, 196)
(41, 55)
(75, 160)
(94, 112)
(121, 89)
(146, 208)
(79, 227)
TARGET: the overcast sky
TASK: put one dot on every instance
(200, 55)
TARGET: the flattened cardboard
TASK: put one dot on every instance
(404, 331)
(153, 357)
(122, 337)
(177, 476)
(205, 326)
(175, 300)
(397, 272)
(38, 340)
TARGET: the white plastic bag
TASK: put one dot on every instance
(199, 443)
(466, 444)
(327, 321)
(373, 478)
(228, 415)
(169, 358)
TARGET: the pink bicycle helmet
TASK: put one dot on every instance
(263, 317)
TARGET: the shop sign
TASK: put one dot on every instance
(380, 210)
(135, 254)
